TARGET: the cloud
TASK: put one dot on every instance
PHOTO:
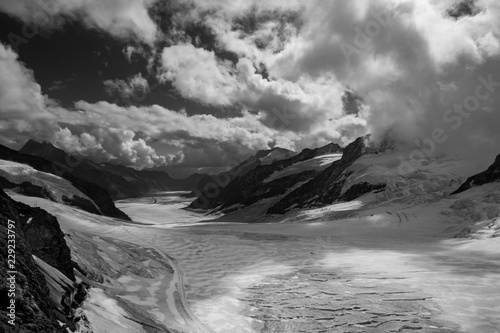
(136, 88)
(198, 74)
(120, 18)
(117, 145)
(129, 51)
(202, 138)
(304, 106)
(284, 66)
(410, 61)
(22, 105)
(107, 132)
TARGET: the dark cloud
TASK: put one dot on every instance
(464, 8)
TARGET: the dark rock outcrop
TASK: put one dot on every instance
(359, 189)
(96, 193)
(490, 175)
(42, 232)
(36, 233)
(25, 188)
(463, 9)
(325, 187)
(250, 187)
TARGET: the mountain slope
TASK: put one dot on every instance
(45, 185)
(251, 187)
(375, 173)
(262, 157)
(383, 171)
(490, 175)
(37, 233)
(120, 181)
(98, 195)
(325, 187)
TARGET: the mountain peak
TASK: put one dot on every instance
(264, 152)
(490, 175)
(45, 150)
(31, 145)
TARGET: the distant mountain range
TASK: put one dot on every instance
(97, 196)
(298, 182)
(120, 181)
(270, 182)
(249, 186)
(210, 183)
(94, 185)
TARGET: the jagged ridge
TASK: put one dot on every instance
(250, 187)
(262, 157)
(324, 188)
(490, 175)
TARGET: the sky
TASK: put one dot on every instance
(194, 84)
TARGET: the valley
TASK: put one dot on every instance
(314, 242)
(375, 272)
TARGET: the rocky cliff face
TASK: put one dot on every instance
(251, 187)
(359, 189)
(325, 187)
(221, 180)
(98, 195)
(37, 233)
(490, 175)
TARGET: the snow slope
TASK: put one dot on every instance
(317, 163)
(433, 179)
(133, 282)
(56, 186)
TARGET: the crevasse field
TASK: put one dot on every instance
(379, 271)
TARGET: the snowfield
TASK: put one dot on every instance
(374, 270)
(56, 187)
(317, 163)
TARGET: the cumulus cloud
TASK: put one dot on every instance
(22, 105)
(107, 132)
(198, 74)
(203, 138)
(120, 18)
(418, 66)
(306, 106)
(135, 88)
(411, 62)
(113, 144)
